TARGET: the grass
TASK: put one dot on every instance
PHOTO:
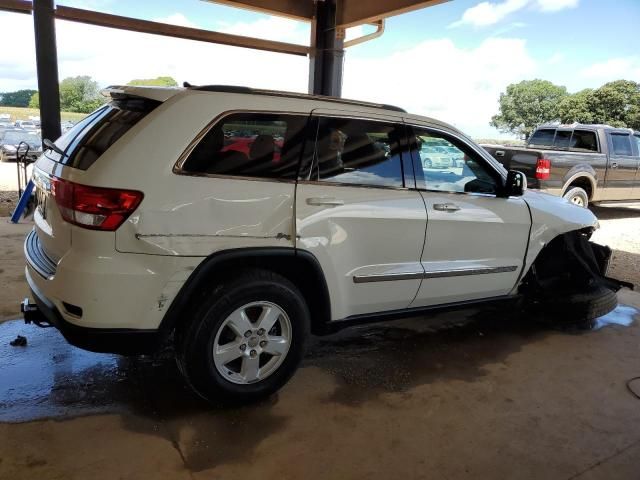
(19, 113)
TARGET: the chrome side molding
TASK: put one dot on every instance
(460, 272)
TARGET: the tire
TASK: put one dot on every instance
(577, 196)
(581, 306)
(259, 294)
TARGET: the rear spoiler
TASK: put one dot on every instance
(160, 94)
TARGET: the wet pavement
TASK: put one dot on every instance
(397, 398)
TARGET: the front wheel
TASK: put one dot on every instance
(580, 306)
(246, 341)
(577, 196)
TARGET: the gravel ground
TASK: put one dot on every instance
(8, 202)
(620, 229)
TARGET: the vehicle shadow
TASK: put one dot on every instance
(613, 213)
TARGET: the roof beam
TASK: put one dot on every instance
(157, 28)
(358, 12)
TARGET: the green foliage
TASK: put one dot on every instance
(618, 104)
(155, 82)
(35, 101)
(80, 94)
(526, 105)
(19, 98)
(577, 107)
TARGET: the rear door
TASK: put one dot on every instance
(476, 242)
(621, 170)
(355, 213)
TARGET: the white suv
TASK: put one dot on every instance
(234, 222)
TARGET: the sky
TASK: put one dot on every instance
(450, 61)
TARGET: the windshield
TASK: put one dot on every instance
(14, 138)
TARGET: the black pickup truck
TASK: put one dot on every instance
(583, 163)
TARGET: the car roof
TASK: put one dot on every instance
(163, 94)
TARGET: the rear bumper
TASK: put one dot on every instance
(104, 340)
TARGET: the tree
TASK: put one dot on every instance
(526, 105)
(577, 107)
(156, 82)
(35, 101)
(618, 104)
(19, 98)
(80, 94)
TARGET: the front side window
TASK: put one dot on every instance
(260, 145)
(621, 144)
(446, 165)
(543, 137)
(637, 139)
(357, 152)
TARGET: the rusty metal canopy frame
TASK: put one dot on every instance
(348, 13)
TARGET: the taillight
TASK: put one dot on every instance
(96, 208)
(543, 169)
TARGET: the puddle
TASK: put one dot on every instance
(623, 315)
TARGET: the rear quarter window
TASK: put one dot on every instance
(584, 140)
(257, 145)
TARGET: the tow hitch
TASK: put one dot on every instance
(32, 314)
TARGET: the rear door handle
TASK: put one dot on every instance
(325, 201)
(446, 207)
(614, 164)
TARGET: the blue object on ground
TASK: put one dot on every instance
(22, 203)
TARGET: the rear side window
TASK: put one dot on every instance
(96, 133)
(562, 139)
(260, 145)
(357, 152)
(584, 140)
(637, 139)
(543, 137)
(621, 144)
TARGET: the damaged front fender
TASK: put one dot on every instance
(570, 264)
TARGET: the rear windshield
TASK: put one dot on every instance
(543, 137)
(92, 136)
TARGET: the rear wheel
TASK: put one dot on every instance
(577, 196)
(245, 342)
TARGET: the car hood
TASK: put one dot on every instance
(558, 213)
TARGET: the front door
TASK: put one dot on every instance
(622, 166)
(355, 214)
(476, 242)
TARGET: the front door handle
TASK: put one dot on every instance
(446, 207)
(325, 201)
(614, 164)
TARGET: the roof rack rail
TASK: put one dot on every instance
(279, 93)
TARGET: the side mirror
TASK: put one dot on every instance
(516, 184)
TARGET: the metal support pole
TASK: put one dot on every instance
(326, 57)
(47, 66)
